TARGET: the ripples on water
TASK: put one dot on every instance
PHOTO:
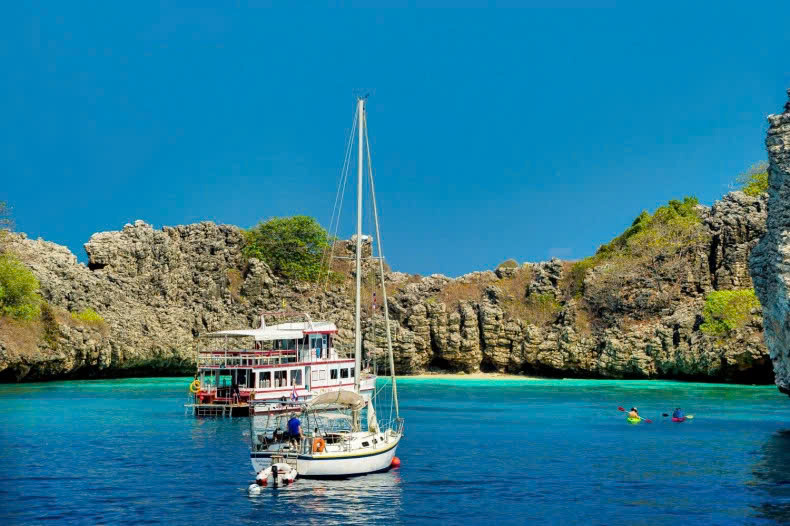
(484, 451)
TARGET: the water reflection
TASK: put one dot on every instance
(371, 498)
(772, 478)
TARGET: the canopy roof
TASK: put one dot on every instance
(281, 331)
(340, 398)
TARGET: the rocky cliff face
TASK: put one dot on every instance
(158, 289)
(770, 261)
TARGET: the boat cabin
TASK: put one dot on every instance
(287, 361)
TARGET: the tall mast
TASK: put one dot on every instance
(358, 306)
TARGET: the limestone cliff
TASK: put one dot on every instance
(158, 289)
(770, 260)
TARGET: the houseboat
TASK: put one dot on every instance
(275, 366)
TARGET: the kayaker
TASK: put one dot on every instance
(634, 413)
(678, 413)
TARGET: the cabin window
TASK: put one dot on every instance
(365, 444)
(375, 441)
(280, 379)
(318, 344)
(343, 373)
(265, 379)
(352, 372)
(322, 375)
(241, 377)
(333, 374)
(208, 379)
(296, 377)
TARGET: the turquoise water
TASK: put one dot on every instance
(506, 452)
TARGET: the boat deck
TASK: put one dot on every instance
(230, 410)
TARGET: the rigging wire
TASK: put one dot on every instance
(385, 306)
(334, 222)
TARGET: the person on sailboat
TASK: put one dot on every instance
(295, 429)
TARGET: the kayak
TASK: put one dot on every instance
(681, 419)
(633, 420)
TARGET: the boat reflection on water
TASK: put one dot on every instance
(772, 478)
(368, 499)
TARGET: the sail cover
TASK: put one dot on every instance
(342, 398)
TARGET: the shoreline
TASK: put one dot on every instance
(466, 376)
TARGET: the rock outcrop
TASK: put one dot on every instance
(158, 289)
(770, 260)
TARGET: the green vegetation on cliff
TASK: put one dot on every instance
(652, 240)
(668, 228)
(18, 289)
(292, 246)
(508, 263)
(727, 310)
(88, 315)
(755, 180)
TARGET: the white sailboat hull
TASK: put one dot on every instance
(337, 465)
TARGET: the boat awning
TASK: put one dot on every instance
(335, 416)
(341, 398)
(282, 331)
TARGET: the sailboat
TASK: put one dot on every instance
(341, 432)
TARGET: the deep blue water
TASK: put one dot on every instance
(506, 452)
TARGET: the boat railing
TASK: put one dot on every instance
(396, 425)
(252, 358)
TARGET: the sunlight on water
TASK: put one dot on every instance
(499, 451)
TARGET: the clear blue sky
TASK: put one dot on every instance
(496, 134)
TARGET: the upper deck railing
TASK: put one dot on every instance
(233, 358)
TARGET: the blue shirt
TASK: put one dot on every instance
(293, 426)
(677, 414)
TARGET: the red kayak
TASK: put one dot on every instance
(681, 419)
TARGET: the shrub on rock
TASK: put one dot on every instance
(18, 289)
(727, 310)
(292, 246)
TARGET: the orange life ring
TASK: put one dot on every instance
(318, 445)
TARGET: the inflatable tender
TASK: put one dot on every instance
(280, 473)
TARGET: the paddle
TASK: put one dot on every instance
(687, 417)
(645, 419)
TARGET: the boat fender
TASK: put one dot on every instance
(254, 489)
(194, 387)
(319, 444)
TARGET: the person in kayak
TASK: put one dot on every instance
(678, 413)
(634, 413)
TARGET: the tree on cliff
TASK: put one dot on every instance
(755, 180)
(291, 246)
(18, 289)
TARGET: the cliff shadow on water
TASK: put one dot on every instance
(771, 480)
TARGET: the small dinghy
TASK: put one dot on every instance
(280, 473)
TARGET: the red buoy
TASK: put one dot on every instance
(395, 462)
